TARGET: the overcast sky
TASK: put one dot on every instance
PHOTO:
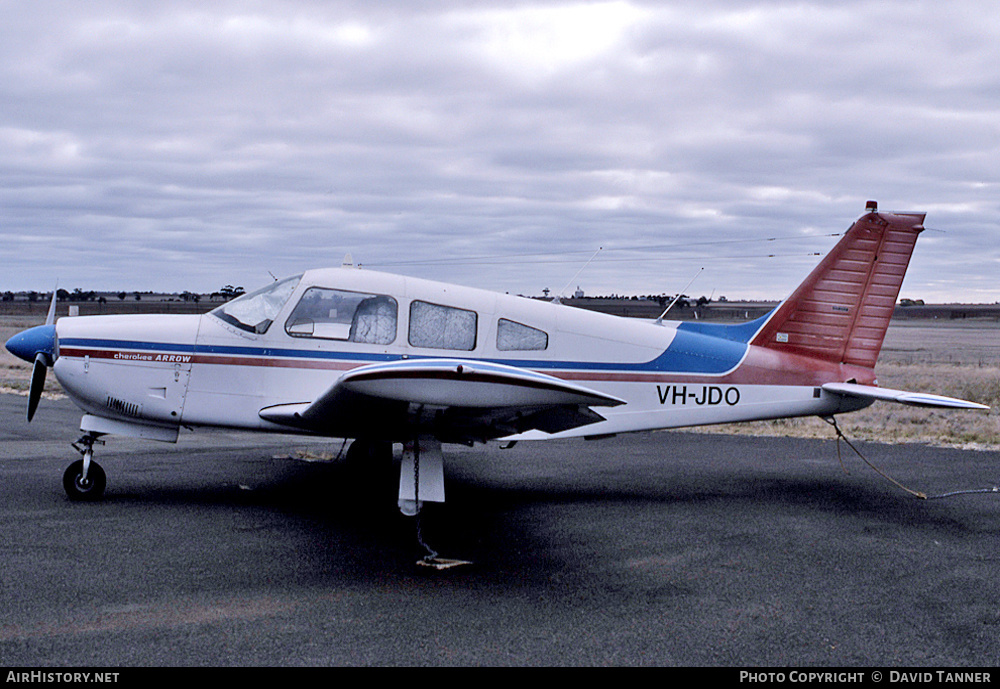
(189, 145)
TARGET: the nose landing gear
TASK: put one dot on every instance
(84, 479)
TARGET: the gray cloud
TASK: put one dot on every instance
(190, 146)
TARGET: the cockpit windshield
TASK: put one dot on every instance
(255, 311)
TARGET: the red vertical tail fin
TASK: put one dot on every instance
(841, 311)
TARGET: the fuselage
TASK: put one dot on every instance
(291, 342)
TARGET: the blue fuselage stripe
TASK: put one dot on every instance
(689, 352)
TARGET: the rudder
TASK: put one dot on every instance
(840, 313)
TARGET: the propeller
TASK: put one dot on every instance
(37, 345)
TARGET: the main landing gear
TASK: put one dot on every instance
(84, 479)
(421, 479)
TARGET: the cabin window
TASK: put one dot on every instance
(442, 327)
(254, 312)
(517, 337)
(333, 314)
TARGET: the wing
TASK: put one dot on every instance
(455, 400)
(916, 399)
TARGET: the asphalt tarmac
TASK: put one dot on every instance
(659, 549)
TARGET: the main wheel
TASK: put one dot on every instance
(77, 488)
(369, 466)
(365, 453)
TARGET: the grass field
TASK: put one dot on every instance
(958, 358)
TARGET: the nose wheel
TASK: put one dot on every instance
(84, 479)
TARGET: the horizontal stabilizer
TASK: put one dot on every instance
(914, 399)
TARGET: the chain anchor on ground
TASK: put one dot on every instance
(832, 420)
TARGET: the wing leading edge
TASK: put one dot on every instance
(456, 400)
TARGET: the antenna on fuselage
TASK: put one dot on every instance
(555, 300)
(659, 321)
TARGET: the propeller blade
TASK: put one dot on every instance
(50, 317)
(37, 383)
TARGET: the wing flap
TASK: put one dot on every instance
(914, 399)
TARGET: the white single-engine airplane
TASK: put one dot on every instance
(385, 359)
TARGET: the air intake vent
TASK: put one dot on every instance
(124, 408)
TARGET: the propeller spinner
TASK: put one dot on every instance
(39, 346)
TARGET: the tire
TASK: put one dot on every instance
(369, 465)
(365, 454)
(79, 491)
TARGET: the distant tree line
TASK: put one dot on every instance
(224, 294)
